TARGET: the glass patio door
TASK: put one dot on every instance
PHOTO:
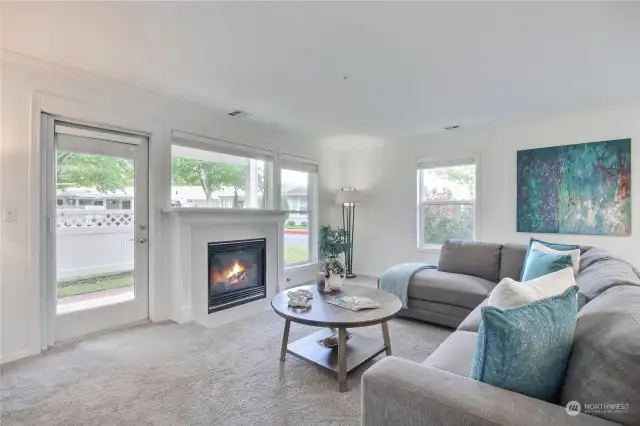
(98, 224)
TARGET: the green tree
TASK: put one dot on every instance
(105, 174)
(461, 175)
(209, 175)
(449, 221)
(446, 221)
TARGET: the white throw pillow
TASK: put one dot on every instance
(575, 254)
(552, 284)
(510, 293)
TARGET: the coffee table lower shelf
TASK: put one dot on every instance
(360, 349)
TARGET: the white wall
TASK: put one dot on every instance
(349, 162)
(99, 100)
(386, 223)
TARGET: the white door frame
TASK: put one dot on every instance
(81, 323)
(109, 117)
(136, 122)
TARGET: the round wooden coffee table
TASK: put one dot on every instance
(350, 353)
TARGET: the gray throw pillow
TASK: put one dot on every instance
(600, 270)
(471, 258)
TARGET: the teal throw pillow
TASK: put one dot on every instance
(538, 264)
(525, 349)
(555, 246)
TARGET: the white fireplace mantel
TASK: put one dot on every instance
(191, 229)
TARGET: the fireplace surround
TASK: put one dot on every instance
(237, 272)
(192, 229)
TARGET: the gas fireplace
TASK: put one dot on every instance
(236, 273)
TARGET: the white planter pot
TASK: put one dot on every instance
(335, 281)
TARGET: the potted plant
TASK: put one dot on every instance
(336, 272)
(333, 245)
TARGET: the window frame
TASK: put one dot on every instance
(219, 146)
(431, 163)
(304, 165)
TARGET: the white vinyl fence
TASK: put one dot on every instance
(93, 241)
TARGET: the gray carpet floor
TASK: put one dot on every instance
(171, 374)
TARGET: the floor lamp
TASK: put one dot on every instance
(348, 198)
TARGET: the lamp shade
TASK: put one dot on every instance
(350, 196)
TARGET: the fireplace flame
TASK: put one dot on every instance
(236, 273)
(235, 269)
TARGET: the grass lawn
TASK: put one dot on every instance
(91, 283)
(295, 254)
(295, 227)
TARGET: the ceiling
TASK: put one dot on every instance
(362, 68)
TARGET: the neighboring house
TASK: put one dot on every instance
(90, 199)
(186, 196)
(88, 208)
(193, 196)
(296, 197)
(181, 196)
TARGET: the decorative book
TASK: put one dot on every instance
(354, 303)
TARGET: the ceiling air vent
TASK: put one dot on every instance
(238, 113)
(451, 127)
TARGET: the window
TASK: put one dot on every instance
(446, 200)
(297, 194)
(208, 178)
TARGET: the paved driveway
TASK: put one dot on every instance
(296, 240)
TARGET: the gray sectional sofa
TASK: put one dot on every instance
(604, 367)
(466, 274)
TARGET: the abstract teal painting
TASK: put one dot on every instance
(576, 189)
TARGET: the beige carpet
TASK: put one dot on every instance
(170, 374)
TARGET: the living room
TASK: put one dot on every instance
(241, 129)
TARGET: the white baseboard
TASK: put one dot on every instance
(366, 274)
(15, 356)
